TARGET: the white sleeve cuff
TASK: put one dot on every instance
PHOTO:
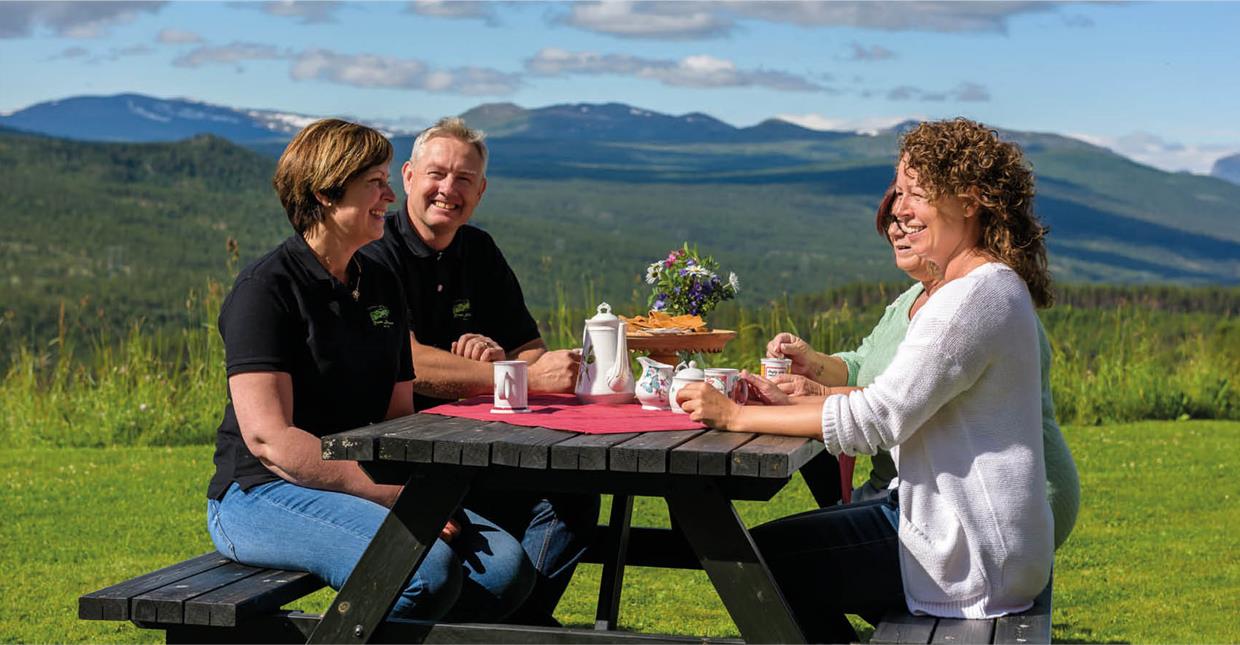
(830, 424)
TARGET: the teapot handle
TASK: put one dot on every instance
(586, 346)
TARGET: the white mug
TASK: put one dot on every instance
(728, 381)
(772, 367)
(512, 381)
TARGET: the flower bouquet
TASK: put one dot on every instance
(686, 283)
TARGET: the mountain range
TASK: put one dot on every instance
(1227, 168)
(130, 200)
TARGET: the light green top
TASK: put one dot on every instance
(1063, 487)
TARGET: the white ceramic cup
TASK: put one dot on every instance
(772, 367)
(728, 381)
(512, 381)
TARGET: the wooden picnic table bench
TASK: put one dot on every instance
(1030, 626)
(212, 599)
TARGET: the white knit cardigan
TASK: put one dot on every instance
(960, 410)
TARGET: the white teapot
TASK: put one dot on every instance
(605, 375)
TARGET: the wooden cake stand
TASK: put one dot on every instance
(663, 347)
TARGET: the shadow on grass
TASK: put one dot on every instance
(1074, 634)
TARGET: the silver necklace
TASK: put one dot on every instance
(357, 286)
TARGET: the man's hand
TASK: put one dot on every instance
(785, 345)
(477, 347)
(797, 385)
(764, 391)
(706, 404)
(555, 371)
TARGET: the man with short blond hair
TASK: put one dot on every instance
(466, 310)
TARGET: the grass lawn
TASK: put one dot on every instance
(1152, 559)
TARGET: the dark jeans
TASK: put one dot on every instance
(555, 532)
(835, 561)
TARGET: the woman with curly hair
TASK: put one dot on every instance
(815, 373)
(969, 531)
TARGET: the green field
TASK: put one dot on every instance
(1152, 559)
(108, 448)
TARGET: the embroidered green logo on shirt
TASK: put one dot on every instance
(380, 316)
(460, 310)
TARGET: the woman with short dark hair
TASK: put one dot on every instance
(316, 342)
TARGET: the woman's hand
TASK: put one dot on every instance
(785, 345)
(706, 404)
(763, 391)
(450, 531)
(797, 385)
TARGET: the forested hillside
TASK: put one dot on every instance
(122, 230)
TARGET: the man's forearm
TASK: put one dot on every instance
(445, 375)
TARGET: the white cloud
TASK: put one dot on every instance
(866, 125)
(665, 20)
(122, 52)
(455, 9)
(1152, 150)
(700, 71)
(859, 52)
(680, 20)
(361, 70)
(970, 92)
(965, 92)
(115, 53)
(308, 12)
(71, 53)
(893, 16)
(364, 70)
(228, 54)
(69, 19)
(171, 36)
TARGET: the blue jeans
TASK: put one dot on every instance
(482, 575)
(555, 532)
(833, 561)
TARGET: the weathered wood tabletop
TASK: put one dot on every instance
(698, 472)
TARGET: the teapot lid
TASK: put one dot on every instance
(690, 372)
(604, 316)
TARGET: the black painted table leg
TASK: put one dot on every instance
(727, 553)
(608, 614)
(822, 477)
(396, 550)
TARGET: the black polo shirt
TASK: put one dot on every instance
(286, 313)
(466, 288)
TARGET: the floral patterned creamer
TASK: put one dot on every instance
(654, 384)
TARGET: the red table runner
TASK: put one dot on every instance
(565, 412)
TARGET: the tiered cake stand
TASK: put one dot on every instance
(664, 347)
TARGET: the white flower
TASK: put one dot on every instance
(698, 270)
(734, 282)
(652, 272)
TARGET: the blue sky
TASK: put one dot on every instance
(1154, 81)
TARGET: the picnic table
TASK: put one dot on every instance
(698, 472)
